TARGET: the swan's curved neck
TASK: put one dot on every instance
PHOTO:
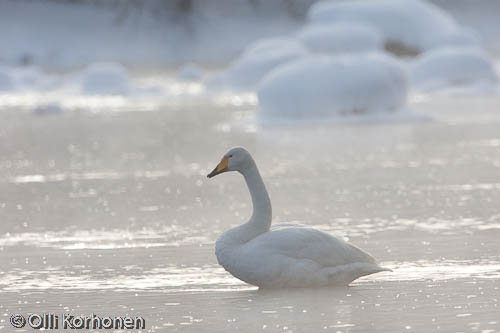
(262, 212)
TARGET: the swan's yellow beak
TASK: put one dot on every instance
(220, 168)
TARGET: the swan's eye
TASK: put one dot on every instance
(230, 156)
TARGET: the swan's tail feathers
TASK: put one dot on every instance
(384, 269)
(345, 274)
(368, 269)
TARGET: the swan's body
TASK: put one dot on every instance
(287, 255)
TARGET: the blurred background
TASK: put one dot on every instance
(375, 120)
(148, 34)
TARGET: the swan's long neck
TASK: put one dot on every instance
(262, 212)
(259, 223)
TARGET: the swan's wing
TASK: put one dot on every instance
(304, 243)
(297, 256)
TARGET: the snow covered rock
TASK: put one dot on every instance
(343, 37)
(106, 78)
(415, 24)
(452, 66)
(261, 57)
(324, 86)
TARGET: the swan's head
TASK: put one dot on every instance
(236, 159)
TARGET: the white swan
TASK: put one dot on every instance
(288, 255)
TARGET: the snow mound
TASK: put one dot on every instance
(189, 72)
(343, 37)
(106, 78)
(415, 24)
(259, 58)
(452, 66)
(326, 86)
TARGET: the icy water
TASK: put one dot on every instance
(111, 213)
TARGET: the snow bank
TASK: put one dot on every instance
(105, 78)
(452, 66)
(259, 58)
(416, 24)
(343, 37)
(325, 86)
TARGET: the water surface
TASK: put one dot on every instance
(109, 211)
